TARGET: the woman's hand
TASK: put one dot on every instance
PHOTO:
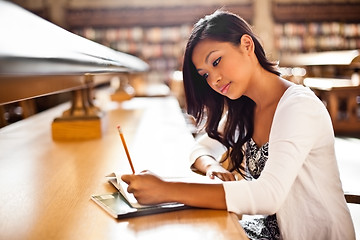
(212, 168)
(216, 170)
(146, 187)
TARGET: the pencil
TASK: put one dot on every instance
(126, 149)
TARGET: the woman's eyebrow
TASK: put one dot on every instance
(207, 57)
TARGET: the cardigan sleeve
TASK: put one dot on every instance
(207, 146)
(298, 122)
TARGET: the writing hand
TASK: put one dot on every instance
(146, 187)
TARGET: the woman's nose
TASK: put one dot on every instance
(216, 80)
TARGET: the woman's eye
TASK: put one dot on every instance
(205, 75)
(216, 62)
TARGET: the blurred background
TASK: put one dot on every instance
(156, 31)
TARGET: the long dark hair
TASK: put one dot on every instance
(203, 102)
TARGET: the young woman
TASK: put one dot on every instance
(277, 135)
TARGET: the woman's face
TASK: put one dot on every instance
(226, 68)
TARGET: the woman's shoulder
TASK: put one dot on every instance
(297, 90)
(300, 102)
(301, 111)
(299, 95)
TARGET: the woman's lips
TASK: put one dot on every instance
(225, 88)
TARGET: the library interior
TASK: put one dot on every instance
(71, 71)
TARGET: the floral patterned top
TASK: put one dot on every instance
(265, 227)
(255, 158)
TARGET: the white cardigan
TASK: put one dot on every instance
(300, 181)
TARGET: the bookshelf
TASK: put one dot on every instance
(160, 47)
(157, 35)
(296, 37)
(316, 27)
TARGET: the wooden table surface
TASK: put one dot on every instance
(45, 186)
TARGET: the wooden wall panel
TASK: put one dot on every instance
(129, 17)
(316, 12)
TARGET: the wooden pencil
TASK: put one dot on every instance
(126, 149)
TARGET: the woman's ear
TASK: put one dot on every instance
(247, 43)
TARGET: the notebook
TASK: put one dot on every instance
(122, 204)
(118, 207)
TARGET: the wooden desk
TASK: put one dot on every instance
(342, 104)
(45, 186)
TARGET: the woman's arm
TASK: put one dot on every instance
(204, 154)
(150, 189)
